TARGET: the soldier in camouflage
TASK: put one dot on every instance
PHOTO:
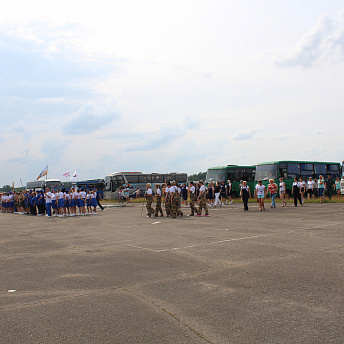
(192, 197)
(202, 199)
(158, 202)
(176, 199)
(149, 198)
(168, 200)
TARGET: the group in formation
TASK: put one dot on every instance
(219, 193)
(61, 202)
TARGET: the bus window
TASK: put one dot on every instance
(168, 178)
(216, 175)
(320, 169)
(249, 174)
(333, 170)
(265, 172)
(143, 178)
(132, 178)
(231, 176)
(293, 170)
(241, 175)
(181, 178)
(306, 170)
(158, 178)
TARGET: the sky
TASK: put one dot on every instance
(167, 86)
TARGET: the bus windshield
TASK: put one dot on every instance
(56, 184)
(216, 175)
(266, 172)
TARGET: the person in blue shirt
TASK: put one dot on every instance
(32, 203)
(40, 202)
(99, 198)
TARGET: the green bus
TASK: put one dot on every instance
(288, 170)
(235, 174)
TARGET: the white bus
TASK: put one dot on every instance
(43, 184)
(117, 180)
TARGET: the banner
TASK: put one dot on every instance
(43, 173)
(66, 174)
(74, 176)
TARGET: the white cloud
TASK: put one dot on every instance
(323, 43)
(249, 134)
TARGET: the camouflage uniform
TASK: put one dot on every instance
(150, 210)
(168, 204)
(178, 195)
(203, 204)
(176, 203)
(158, 206)
(192, 203)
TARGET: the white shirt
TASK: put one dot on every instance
(48, 197)
(192, 189)
(310, 185)
(202, 188)
(82, 195)
(149, 192)
(158, 192)
(260, 190)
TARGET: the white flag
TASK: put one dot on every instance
(66, 174)
(74, 176)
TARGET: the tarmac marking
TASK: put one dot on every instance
(234, 239)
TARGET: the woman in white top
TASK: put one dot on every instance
(260, 194)
(282, 192)
(310, 188)
(321, 188)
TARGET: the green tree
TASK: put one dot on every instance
(6, 188)
(198, 176)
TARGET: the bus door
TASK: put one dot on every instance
(282, 170)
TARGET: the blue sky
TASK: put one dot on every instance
(162, 86)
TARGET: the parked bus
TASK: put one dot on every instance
(288, 170)
(117, 180)
(235, 174)
(342, 180)
(43, 184)
(99, 184)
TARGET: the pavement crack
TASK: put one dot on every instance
(170, 314)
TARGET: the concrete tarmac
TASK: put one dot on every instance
(120, 277)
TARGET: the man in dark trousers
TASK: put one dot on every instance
(99, 198)
(329, 186)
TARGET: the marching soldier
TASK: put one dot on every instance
(192, 197)
(149, 198)
(202, 199)
(168, 200)
(158, 202)
(176, 199)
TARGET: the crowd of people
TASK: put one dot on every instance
(61, 202)
(173, 195)
(220, 193)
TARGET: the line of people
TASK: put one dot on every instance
(300, 187)
(60, 202)
(172, 195)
